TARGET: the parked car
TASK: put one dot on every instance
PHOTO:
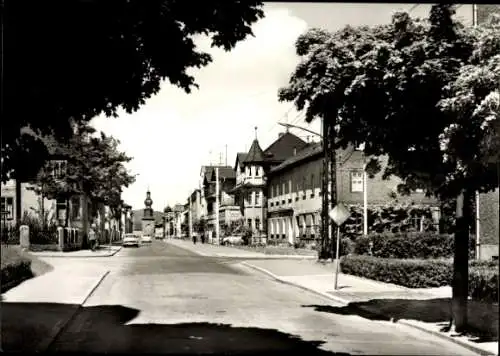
(159, 235)
(232, 240)
(146, 239)
(131, 240)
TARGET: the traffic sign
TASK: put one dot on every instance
(339, 214)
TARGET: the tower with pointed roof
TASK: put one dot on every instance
(251, 170)
(250, 186)
(148, 219)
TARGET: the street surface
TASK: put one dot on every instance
(161, 298)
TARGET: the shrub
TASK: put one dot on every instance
(299, 244)
(483, 283)
(408, 245)
(14, 266)
(483, 275)
(407, 273)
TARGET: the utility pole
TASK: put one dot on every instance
(190, 218)
(365, 198)
(324, 190)
(226, 154)
(217, 204)
(332, 170)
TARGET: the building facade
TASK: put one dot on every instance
(252, 169)
(295, 199)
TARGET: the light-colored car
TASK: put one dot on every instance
(146, 239)
(232, 240)
(131, 240)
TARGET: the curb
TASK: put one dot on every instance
(67, 256)
(345, 301)
(58, 329)
(263, 257)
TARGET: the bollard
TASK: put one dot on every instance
(60, 237)
(24, 236)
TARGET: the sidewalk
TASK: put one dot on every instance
(426, 309)
(34, 312)
(209, 250)
(102, 251)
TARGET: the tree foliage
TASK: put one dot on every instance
(78, 59)
(95, 167)
(402, 89)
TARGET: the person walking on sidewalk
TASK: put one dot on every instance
(194, 238)
(92, 238)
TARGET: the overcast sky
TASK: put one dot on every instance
(174, 133)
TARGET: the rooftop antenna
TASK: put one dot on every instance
(226, 154)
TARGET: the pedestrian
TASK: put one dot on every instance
(203, 238)
(92, 238)
(194, 238)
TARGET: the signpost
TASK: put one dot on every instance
(339, 214)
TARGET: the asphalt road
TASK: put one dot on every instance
(162, 299)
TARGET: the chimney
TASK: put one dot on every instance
(281, 134)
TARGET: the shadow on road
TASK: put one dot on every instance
(103, 329)
(483, 318)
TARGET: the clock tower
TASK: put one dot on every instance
(148, 219)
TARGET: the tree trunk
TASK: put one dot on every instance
(460, 283)
(18, 203)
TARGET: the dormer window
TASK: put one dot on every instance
(257, 171)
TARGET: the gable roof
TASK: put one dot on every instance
(311, 150)
(283, 147)
(209, 170)
(240, 157)
(255, 153)
(224, 172)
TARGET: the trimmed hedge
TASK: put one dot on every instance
(407, 273)
(14, 266)
(419, 273)
(408, 245)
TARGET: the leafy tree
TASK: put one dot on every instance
(81, 58)
(402, 90)
(95, 167)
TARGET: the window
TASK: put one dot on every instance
(356, 181)
(75, 208)
(7, 208)
(249, 171)
(312, 185)
(58, 168)
(257, 198)
(257, 224)
(257, 171)
(417, 223)
(249, 222)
